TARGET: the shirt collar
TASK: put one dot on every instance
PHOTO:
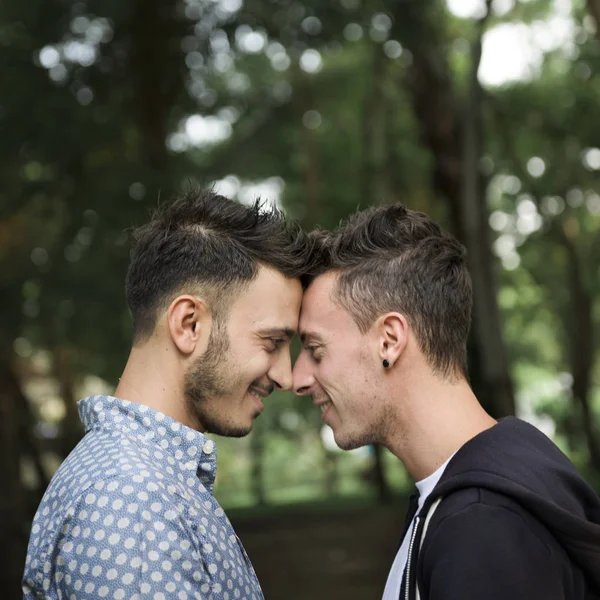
(191, 449)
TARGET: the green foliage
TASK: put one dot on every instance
(94, 108)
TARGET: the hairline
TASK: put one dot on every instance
(210, 293)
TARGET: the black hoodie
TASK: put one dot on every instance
(511, 519)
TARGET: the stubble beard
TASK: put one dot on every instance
(212, 376)
(374, 434)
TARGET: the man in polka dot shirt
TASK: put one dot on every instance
(214, 292)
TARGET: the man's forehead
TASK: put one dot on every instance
(320, 291)
(319, 310)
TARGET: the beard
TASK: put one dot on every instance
(213, 376)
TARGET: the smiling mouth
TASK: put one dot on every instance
(256, 394)
(259, 393)
(325, 406)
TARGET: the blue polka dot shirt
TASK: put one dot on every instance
(130, 514)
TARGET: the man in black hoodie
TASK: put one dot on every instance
(501, 512)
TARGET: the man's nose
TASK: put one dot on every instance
(280, 372)
(303, 379)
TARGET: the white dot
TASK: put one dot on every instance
(136, 561)
(156, 576)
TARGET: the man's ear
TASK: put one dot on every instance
(188, 323)
(393, 336)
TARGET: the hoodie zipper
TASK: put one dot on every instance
(409, 558)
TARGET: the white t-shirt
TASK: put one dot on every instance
(394, 580)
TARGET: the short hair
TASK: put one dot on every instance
(205, 241)
(391, 258)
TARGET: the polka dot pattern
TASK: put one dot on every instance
(130, 514)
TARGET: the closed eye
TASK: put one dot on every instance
(275, 344)
(314, 353)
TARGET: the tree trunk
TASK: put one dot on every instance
(258, 473)
(383, 489)
(580, 329)
(373, 134)
(12, 517)
(474, 216)
(303, 102)
(155, 68)
(453, 136)
(72, 430)
(331, 473)
(594, 8)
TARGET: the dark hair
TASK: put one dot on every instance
(206, 241)
(391, 258)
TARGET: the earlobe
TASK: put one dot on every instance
(393, 335)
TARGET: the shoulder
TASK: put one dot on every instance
(112, 474)
(483, 544)
(470, 508)
(476, 524)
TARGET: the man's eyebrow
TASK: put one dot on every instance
(307, 336)
(285, 332)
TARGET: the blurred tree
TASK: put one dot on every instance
(336, 105)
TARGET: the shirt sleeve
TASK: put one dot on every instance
(119, 546)
(489, 552)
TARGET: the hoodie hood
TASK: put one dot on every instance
(517, 460)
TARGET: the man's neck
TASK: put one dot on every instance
(149, 381)
(429, 427)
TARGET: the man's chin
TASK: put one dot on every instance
(230, 431)
(345, 442)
